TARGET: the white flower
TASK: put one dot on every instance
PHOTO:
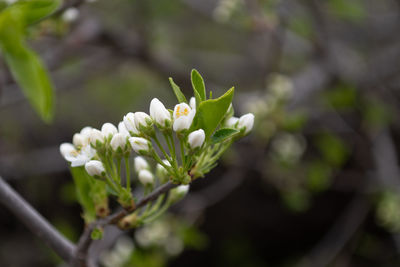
(161, 172)
(231, 122)
(183, 117)
(246, 121)
(80, 158)
(159, 113)
(108, 130)
(140, 164)
(122, 129)
(192, 102)
(86, 131)
(129, 121)
(142, 119)
(179, 192)
(140, 144)
(96, 135)
(146, 177)
(70, 14)
(79, 140)
(182, 189)
(67, 150)
(95, 168)
(118, 140)
(196, 138)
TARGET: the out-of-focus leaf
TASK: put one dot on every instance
(179, 95)
(223, 134)
(297, 200)
(351, 10)
(32, 11)
(318, 176)
(294, 122)
(341, 97)
(25, 66)
(210, 113)
(333, 149)
(376, 114)
(198, 85)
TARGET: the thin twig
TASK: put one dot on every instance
(35, 222)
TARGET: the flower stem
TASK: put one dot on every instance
(128, 173)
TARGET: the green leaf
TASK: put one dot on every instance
(32, 11)
(179, 95)
(333, 149)
(25, 66)
(198, 85)
(210, 113)
(82, 184)
(28, 70)
(223, 134)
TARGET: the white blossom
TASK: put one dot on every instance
(142, 119)
(246, 121)
(139, 144)
(108, 130)
(231, 122)
(140, 164)
(129, 121)
(80, 158)
(118, 140)
(95, 168)
(159, 113)
(67, 150)
(71, 14)
(96, 135)
(146, 177)
(122, 129)
(196, 138)
(183, 117)
(192, 102)
(79, 140)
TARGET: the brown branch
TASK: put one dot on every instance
(35, 222)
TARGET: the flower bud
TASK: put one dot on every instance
(232, 121)
(129, 121)
(192, 102)
(140, 144)
(108, 130)
(95, 168)
(246, 121)
(142, 121)
(196, 138)
(179, 192)
(86, 131)
(118, 141)
(129, 221)
(96, 136)
(122, 129)
(146, 177)
(79, 140)
(140, 164)
(183, 117)
(161, 172)
(159, 113)
(67, 150)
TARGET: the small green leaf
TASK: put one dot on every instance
(179, 95)
(36, 10)
(198, 85)
(223, 134)
(333, 149)
(82, 184)
(210, 113)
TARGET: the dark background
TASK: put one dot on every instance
(316, 183)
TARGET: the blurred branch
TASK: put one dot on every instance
(35, 222)
(339, 235)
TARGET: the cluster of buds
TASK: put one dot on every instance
(185, 143)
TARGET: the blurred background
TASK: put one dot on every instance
(317, 183)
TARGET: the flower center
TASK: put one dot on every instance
(180, 112)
